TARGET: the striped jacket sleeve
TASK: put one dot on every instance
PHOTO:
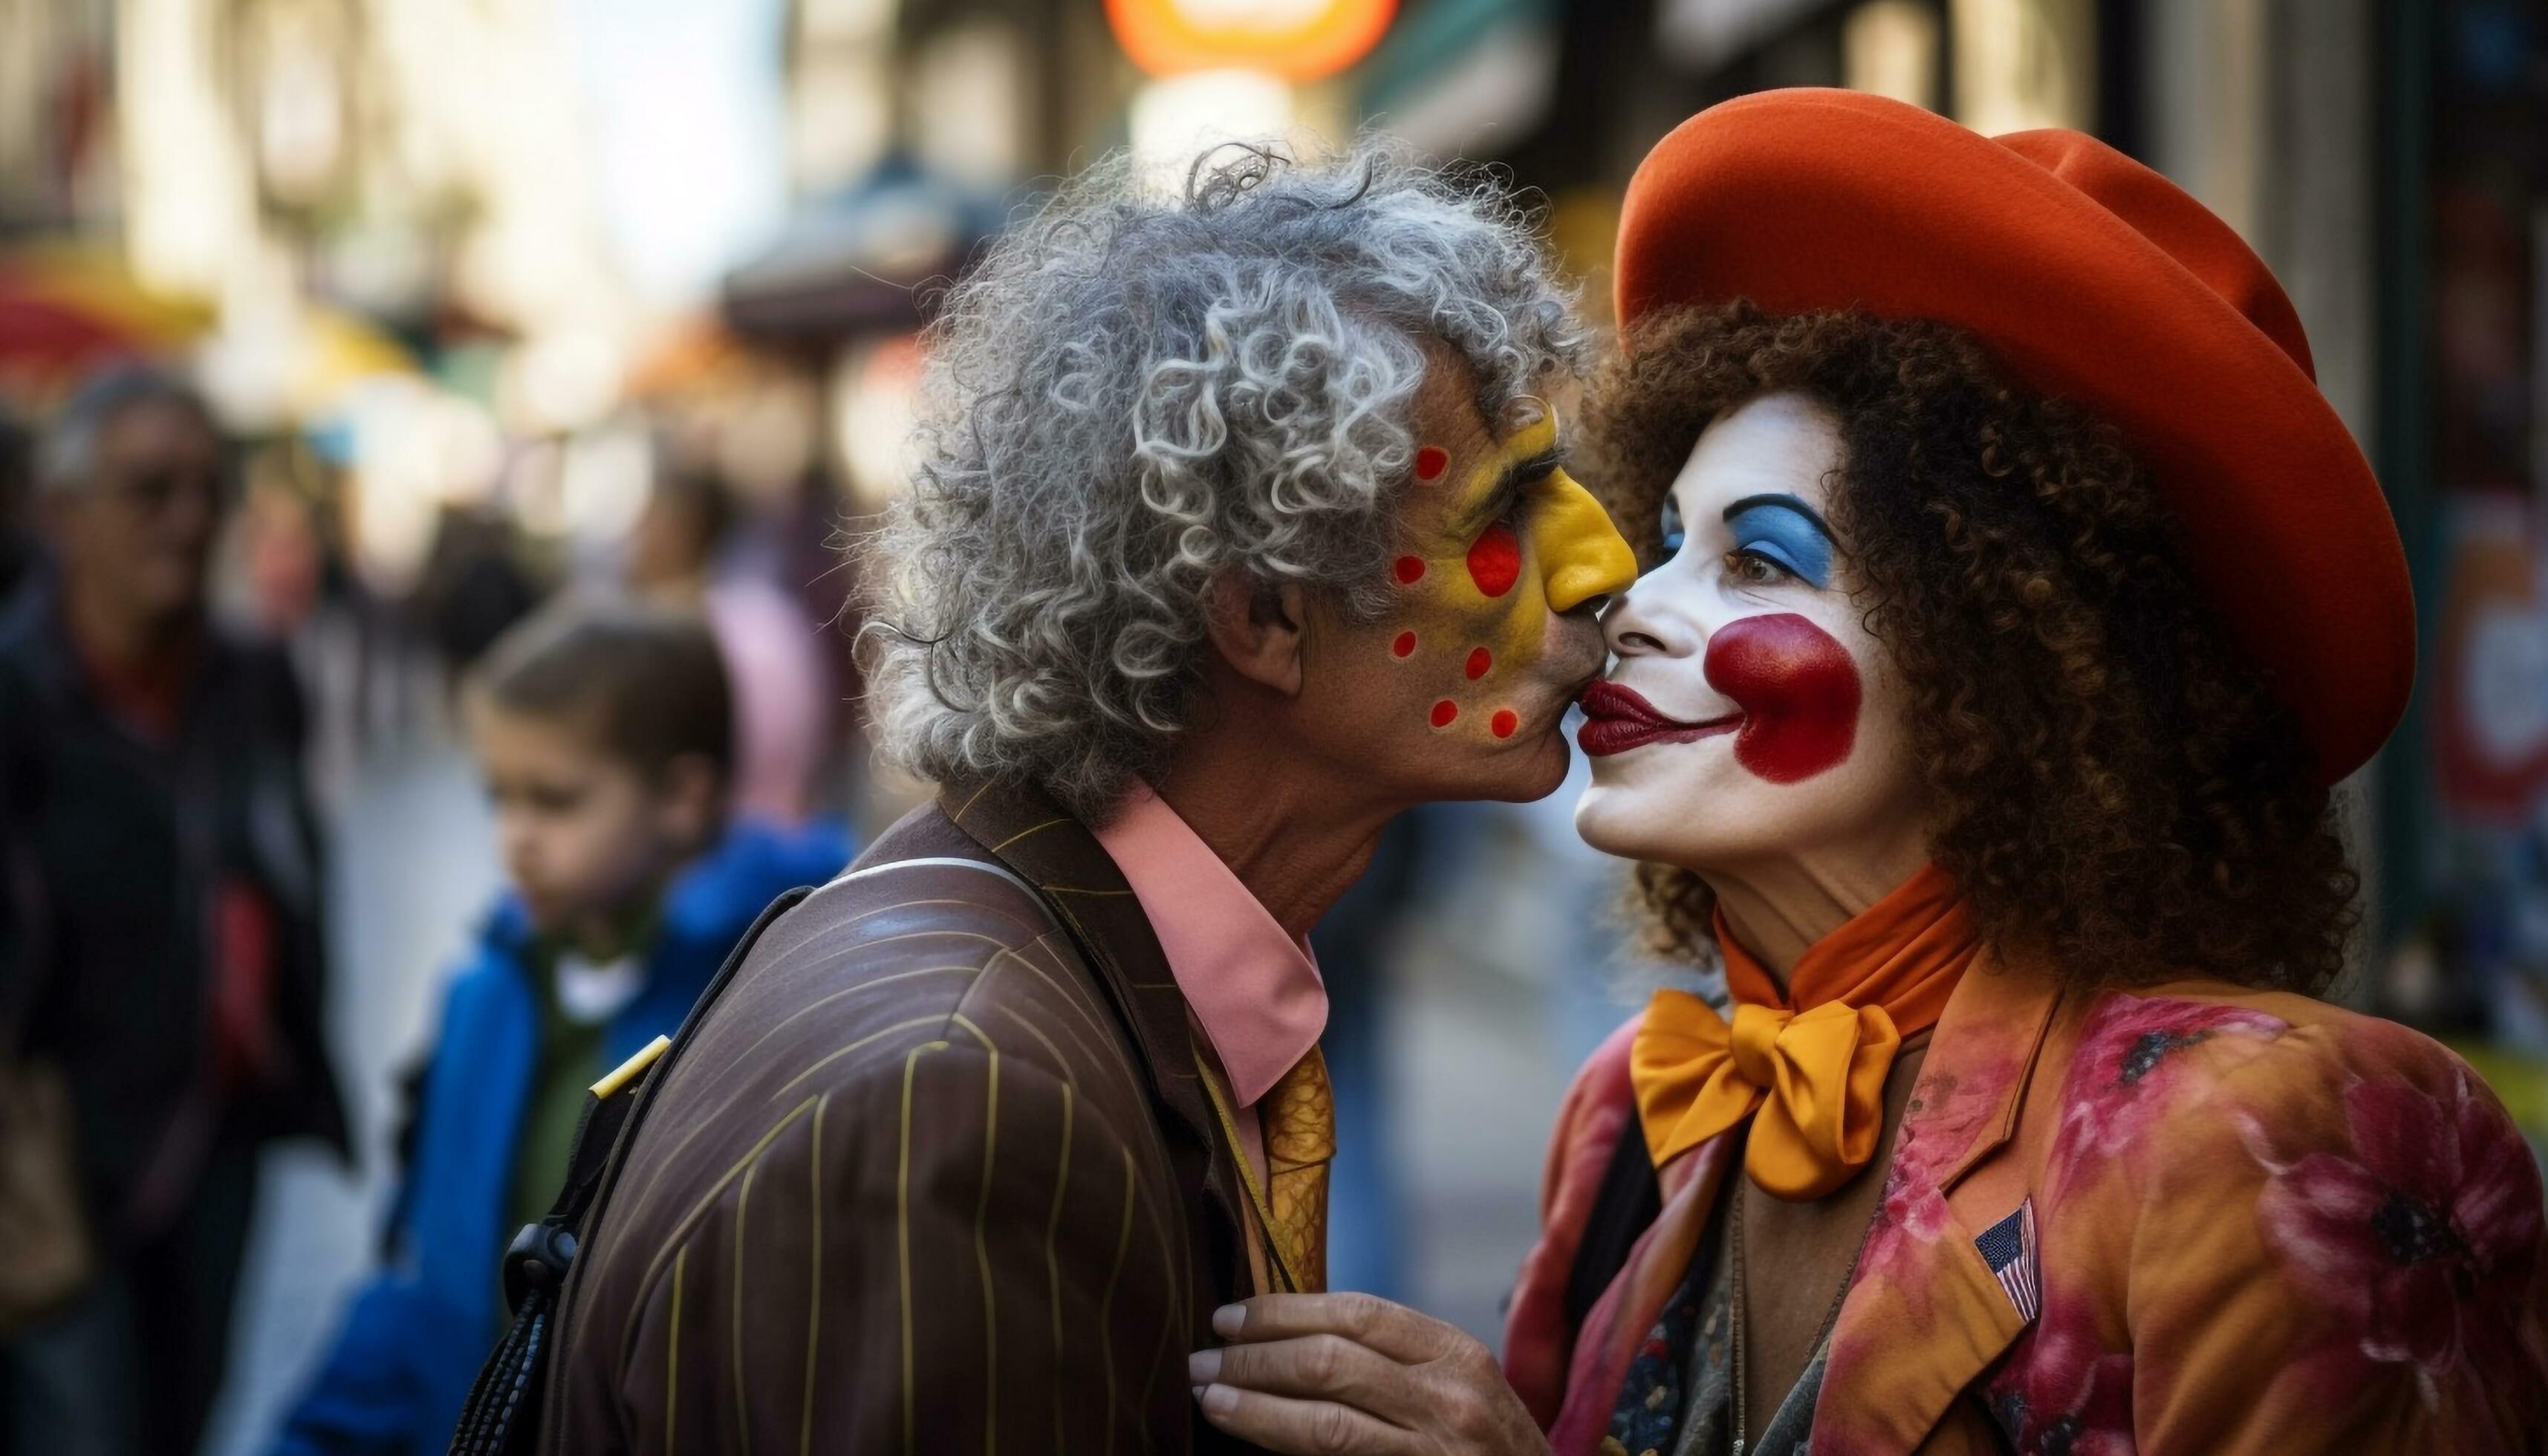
(950, 1252)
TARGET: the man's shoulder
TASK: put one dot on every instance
(905, 949)
(882, 1023)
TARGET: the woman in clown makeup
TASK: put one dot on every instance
(2011, 603)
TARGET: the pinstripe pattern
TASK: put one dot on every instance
(814, 1279)
(985, 1202)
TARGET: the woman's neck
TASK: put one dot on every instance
(1779, 908)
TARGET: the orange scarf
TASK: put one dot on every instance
(1812, 1068)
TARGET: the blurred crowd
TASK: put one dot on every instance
(189, 666)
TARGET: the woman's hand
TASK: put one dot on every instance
(1349, 1374)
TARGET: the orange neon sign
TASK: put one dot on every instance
(1297, 39)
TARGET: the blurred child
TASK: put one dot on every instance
(605, 734)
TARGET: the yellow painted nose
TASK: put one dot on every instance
(1580, 554)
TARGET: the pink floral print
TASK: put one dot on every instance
(2128, 1068)
(2421, 1236)
(2064, 1395)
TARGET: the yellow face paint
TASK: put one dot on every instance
(1581, 555)
(1521, 543)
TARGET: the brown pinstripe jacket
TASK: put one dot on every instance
(926, 1180)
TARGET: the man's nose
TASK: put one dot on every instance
(1581, 555)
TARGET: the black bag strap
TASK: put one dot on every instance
(503, 1413)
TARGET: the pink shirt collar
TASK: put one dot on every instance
(1255, 989)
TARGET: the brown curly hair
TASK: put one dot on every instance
(2118, 791)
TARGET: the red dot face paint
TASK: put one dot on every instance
(1798, 691)
(1431, 461)
(1409, 570)
(1444, 711)
(1494, 562)
(1404, 646)
(1480, 660)
(1504, 723)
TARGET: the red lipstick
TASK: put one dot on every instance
(1618, 719)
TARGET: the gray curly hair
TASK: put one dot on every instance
(1134, 392)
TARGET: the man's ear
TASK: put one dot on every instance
(1257, 627)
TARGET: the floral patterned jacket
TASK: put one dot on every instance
(2251, 1222)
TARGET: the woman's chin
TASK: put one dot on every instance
(1641, 825)
(1611, 819)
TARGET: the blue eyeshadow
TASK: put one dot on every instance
(1786, 530)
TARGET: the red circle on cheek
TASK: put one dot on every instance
(1404, 646)
(1480, 661)
(1798, 691)
(1444, 711)
(1504, 723)
(1409, 570)
(1494, 562)
(1430, 461)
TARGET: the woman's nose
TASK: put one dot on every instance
(1641, 621)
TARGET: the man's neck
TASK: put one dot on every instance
(1779, 908)
(1293, 835)
(111, 635)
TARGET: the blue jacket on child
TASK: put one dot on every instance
(419, 1329)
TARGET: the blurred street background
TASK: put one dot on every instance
(492, 298)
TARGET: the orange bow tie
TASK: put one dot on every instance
(1811, 1079)
(1815, 1077)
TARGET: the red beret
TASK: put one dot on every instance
(2093, 279)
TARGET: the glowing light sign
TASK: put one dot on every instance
(1297, 39)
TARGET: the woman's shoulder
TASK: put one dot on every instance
(1603, 1076)
(2201, 1083)
(2198, 1036)
(2333, 1209)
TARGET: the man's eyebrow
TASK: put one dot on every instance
(1782, 501)
(1516, 475)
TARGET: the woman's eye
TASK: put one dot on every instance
(1754, 568)
(1670, 528)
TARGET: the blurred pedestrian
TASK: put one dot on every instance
(603, 732)
(16, 486)
(471, 588)
(160, 945)
(774, 655)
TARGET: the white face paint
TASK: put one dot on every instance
(1749, 715)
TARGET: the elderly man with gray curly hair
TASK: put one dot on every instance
(1239, 526)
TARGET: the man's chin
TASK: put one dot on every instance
(1532, 763)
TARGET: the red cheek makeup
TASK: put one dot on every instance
(1494, 562)
(1798, 691)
